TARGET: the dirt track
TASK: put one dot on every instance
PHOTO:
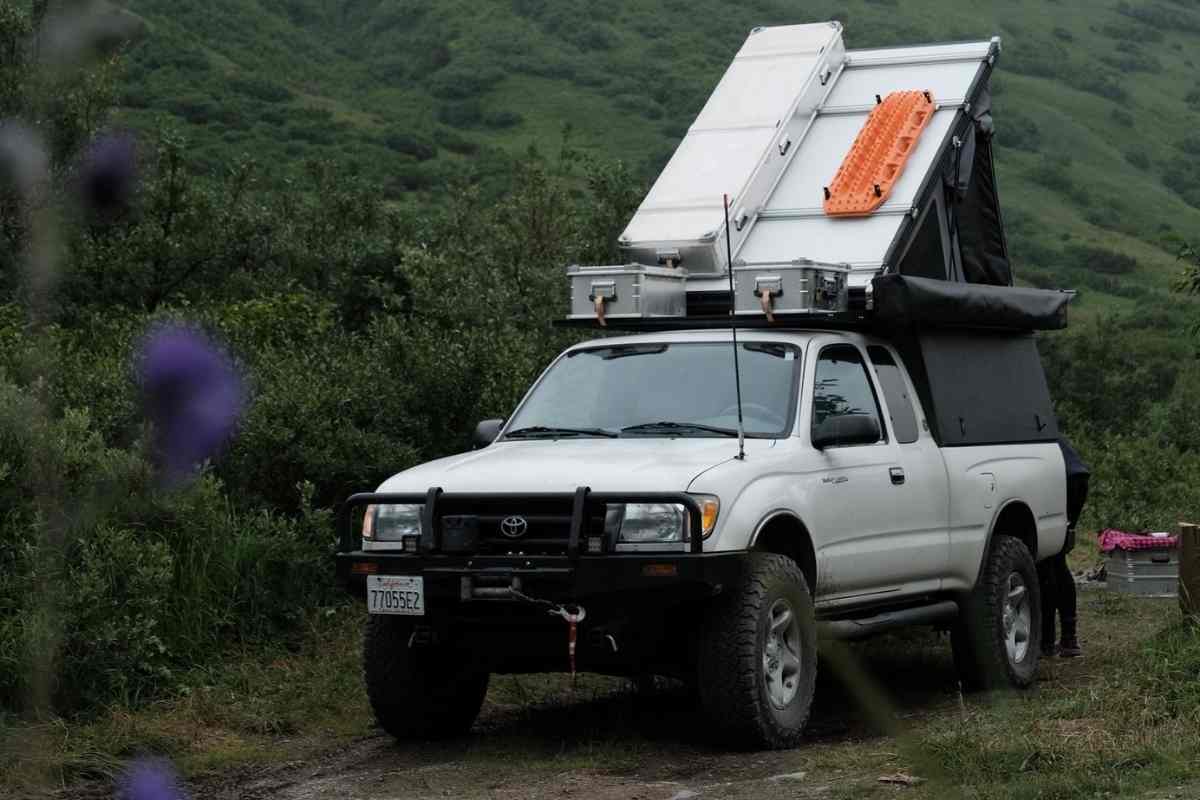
(607, 744)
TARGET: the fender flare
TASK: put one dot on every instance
(987, 543)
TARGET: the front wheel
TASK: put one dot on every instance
(423, 692)
(757, 665)
(997, 642)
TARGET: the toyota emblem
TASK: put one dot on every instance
(514, 527)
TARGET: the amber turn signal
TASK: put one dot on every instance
(368, 529)
(710, 505)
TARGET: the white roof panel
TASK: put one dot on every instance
(834, 240)
(947, 82)
(827, 143)
(793, 225)
(770, 78)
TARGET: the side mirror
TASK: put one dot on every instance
(486, 432)
(848, 429)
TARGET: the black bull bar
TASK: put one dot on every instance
(582, 499)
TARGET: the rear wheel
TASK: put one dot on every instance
(422, 692)
(998, 640)
(757, 665)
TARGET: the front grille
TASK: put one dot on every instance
(546, 532)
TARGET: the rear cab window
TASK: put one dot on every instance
(895, 392)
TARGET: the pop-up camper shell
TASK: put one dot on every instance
(851, 189)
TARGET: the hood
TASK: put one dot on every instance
(648, 464)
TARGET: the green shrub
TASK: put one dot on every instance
(501, 119)
(1098, 259)
(1138, 158)
(464, 114)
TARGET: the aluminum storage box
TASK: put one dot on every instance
(628, 291)
(799, 287)
(1147, 573)
(752, 125)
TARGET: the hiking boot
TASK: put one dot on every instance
(1048, 649)
(1070, 648)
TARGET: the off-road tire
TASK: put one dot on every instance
(731, 669)
(425, 692)
(979, 638)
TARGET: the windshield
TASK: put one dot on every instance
(663, 390)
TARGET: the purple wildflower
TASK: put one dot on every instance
(150, 779)
(192, 394)
(108, 174)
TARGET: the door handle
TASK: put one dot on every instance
(897, 475)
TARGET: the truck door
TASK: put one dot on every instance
(880, 508)
(922, 487)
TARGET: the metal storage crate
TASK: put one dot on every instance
(627, 291)
(1146, 573)
(799, 287)
(739, 145)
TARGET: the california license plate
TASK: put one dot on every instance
(396, 594)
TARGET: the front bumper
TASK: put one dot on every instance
(607, 578)
(641, 608)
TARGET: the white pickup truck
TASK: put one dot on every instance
(613, 506)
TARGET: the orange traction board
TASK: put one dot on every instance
(877, 157)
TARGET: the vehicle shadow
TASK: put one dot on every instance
(542, 716)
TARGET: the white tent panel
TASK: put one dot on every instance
(813, 168)
(951, 51)
(859, 241)
(706, 162)
(756, 92)
(946, 81)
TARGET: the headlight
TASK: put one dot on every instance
(638, 524)
(391, 523)
(653, 522)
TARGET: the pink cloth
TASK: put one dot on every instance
(1120, 540)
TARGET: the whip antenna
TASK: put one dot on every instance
(737, 372)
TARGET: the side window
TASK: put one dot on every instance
(842, 386)
(904, 419)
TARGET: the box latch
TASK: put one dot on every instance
(602, 292)
(766, 289)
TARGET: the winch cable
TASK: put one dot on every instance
(571, 618)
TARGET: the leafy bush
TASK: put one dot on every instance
(1138, 158)
(261, 89)
(1132, 33)
(1098, 259)
(1020, 133)
(1161, 16)
(465, 114)
(410, 144)
(501, 119)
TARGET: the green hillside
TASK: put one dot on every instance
(1096, 102)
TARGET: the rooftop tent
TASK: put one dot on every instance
(944, 199)
(861, 191)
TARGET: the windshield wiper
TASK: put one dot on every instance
(549, 433)
(677, 427)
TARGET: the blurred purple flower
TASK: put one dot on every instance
(192, 393)
(108, 174)
(150, 779)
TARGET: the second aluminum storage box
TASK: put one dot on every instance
(1147, 573)
(628, 291)
(801, 287)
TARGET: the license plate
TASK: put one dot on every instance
(396, 594)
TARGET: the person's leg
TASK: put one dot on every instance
(1046, 581)
(1065, 584)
